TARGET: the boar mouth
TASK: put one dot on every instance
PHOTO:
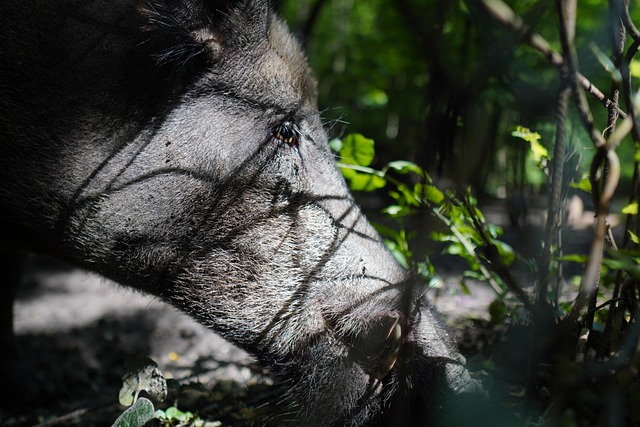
(375, 346)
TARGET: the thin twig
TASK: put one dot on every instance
(493, 256)
(507, 17)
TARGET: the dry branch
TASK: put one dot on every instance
(507, 17)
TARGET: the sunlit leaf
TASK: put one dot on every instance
(357, 149)
(634, 68)
(584, 184)
(336, 145)
(404, 167)
(397, 211)
(538, 151)
(634, 237)
(525, 134)
(432, 194)
(631, 209)
(409, 196)
(581, 259)
(365, 182)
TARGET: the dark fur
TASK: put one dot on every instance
(176, 147)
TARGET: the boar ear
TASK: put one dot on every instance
(182, 30)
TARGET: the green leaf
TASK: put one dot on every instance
(538, 151)
(143, 374)
(631, 209)
(137, 415)
(397, 211)
(584, 184)
(364, 182)
(336, 145)
(634, 237)
(634, 68)
(430, 193)
(498, 311)
(404, 167)
(172, 413)
(385, 231)
(624, 262)
(580, 259)
(397, 253)
(507, 254)
(525, 134)
(375, 98)
(357, 150)
(464, 287)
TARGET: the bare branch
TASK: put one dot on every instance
(507, 17)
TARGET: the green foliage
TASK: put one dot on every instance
(138, 415)
(357, 153)
(443, 85)
(172, 416)
(144, 376)
(584, 184)
(630, 209)
(466, 234)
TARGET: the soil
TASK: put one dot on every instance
(75, 331)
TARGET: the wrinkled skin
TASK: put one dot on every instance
(176, 147)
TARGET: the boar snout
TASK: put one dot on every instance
(376, 346)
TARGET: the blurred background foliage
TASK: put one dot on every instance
(443, 85)
(440, 83)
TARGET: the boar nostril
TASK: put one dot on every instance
(377, 349)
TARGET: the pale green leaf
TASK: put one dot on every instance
(143, 374)
(336, 145)
(397, 211)
(403, 167)
(634, 237)
(137, 415)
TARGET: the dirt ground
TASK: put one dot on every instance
(75, 330)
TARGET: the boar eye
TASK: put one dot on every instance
(288, 132)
